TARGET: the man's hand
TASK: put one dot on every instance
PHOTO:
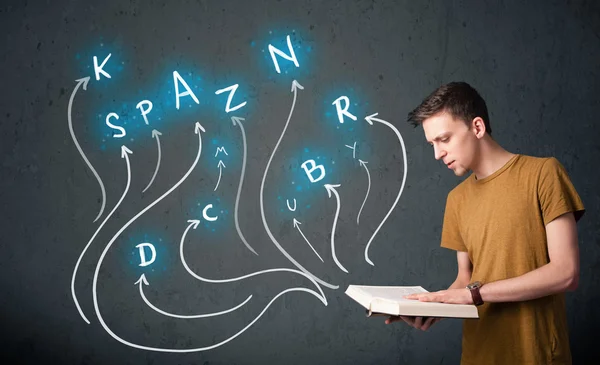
(421, 323)
(452, 296)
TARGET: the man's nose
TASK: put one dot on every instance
(439, 153)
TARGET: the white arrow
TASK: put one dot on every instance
(124, 152)
(84, 81)
(206, 348)
(194, 224)
(295, 87)
(370, 119)
(297, 226)
(197, 129)
(364, 164)
(143, 280)
(220, 166)
(155, 134)
(238, 121)
(331, 188)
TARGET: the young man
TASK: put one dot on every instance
(513, 225)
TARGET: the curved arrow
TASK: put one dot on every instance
(364, 164)
(331, 188)
(297, 226)
(194, 224)
(84, 81)
(238, 121)
(143, 280)
(155, 134)
(370, 119)
(197, 130)
(220, 166)
(198, 349)
(295, 87)
(124, 152)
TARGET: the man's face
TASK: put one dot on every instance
(452, 140)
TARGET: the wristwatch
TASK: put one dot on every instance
(474, 289)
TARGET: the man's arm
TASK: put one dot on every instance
(465, 269)
(559, 275)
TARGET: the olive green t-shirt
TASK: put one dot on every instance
(500, 221)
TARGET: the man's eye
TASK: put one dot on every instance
(445, 139)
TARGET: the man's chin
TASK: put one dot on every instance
(460, 172)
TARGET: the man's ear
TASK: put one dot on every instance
(478, 127)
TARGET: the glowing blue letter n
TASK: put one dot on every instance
(177, 78)
(291, 57)
(313, 168)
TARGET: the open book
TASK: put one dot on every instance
(389, 300)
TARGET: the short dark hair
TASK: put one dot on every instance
(459, 99)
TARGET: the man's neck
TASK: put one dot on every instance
(491, 158)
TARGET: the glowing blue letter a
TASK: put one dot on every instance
(177, 78)
(291, 57)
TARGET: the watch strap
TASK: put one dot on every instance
(476, 295)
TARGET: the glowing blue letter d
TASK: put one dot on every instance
(143, 254)
(313, 168)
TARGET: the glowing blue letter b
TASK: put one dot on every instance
(312, 168)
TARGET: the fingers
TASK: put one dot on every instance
(422, 323)
(422, 297)
(428, 323)
(392, 319)
(409, 320)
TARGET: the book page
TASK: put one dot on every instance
(393, 293)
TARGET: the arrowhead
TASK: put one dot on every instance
(363, 163)
(141, 280)
(237, 120)
(84, 81)
(330, 188)
(125, 151)
(156, 133)
(370, 119)
(194, 222)
(296, 85)
(198, 128)
(296, 223)
(221, 164)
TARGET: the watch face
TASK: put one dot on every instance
(475, 284)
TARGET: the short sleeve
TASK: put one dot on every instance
(556, 192)
(451, 237)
